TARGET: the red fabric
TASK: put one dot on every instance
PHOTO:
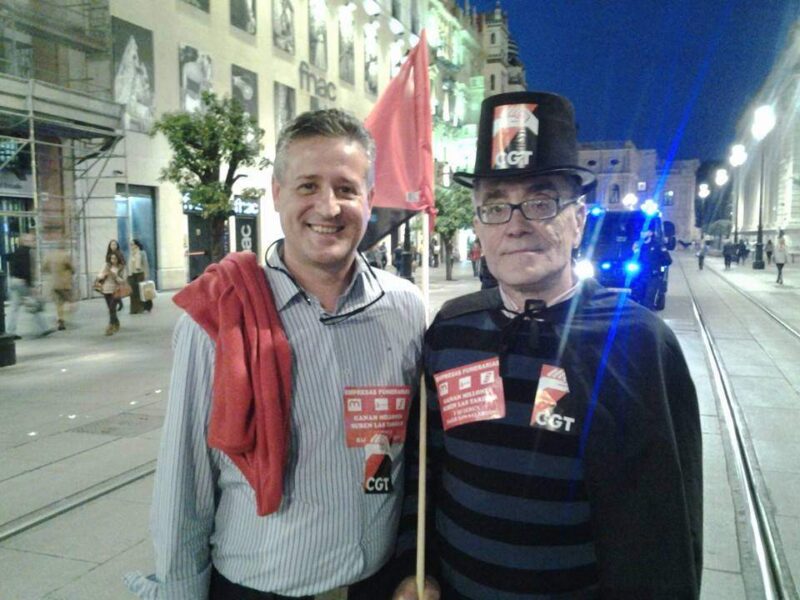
(252, 371)
(402, 126)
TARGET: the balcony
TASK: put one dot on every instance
(56, 111)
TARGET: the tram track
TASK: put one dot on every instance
(776, 580)
(41, 515)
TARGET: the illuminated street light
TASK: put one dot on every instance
(737, 158)
(630, 200)
(763, 122)
(721, 177)
(703, 191)
(738, 155)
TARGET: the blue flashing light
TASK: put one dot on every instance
(596, 211)
(632, 267)
(605, 265)
(650, 207)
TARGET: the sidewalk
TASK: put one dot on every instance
(78, 409)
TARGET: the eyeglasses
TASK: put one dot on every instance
(326, 319)
(535, 209)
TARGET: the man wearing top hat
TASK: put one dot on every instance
(564, 434)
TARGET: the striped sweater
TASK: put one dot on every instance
(602, 501)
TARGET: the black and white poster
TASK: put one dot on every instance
(195, 74)
(134, 74)
(244, 88)
(347, 65)
(318, 34)
(285, 106)
(283, 25)
(243, 15)
(201, 4)
(371, 59)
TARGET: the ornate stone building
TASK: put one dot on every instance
(627, 176)
(769, 180)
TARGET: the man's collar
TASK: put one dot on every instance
(511, 309)
(285, 287)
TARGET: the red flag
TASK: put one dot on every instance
(402, 126)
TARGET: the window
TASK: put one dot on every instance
(491, 82)
(613, 197)
(669, 198)
(493, 38)
(592, 163)
(614, 162)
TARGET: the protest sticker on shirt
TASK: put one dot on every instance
(471, 393)
(373, 410)
(552, 387)
(378, 466)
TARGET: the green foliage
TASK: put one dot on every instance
(209, 147)
(720, 228)
(454, 211)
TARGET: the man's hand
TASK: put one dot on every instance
(407, 590)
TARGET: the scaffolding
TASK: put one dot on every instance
(61, 135)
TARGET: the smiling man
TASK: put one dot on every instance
(281, 463)
(565, 438)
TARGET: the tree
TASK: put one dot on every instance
(721, 228)
(454, 212)
(209, 147)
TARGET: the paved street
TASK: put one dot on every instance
(81, 410)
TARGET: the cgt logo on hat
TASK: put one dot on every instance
(525, 134)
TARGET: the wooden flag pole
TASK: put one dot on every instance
(423, 417)
(423, 452)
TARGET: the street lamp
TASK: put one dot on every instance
(763, 122)
(703, 191)
(737, 158)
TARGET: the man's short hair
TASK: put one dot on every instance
(331, 123)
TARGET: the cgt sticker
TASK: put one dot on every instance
(552, 388)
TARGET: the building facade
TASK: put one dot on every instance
(767, 185)
(82, 99)
(628, 176)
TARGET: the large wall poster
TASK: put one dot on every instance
(347, 54)
(244, 88)
(371, 58)
(318, 33)
(134, 75)
(243, 15)
(195, 74)
(285, 106)
(283, 25)
(201, 4)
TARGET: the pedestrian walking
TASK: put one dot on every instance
(701, 255)
(139, 271)
(781, 254)
(475, 253)
(384, 254)
(742, 251)
(109, 282)
(113, 248)
(20, 286)
(769, 249)
(397, 258)
(58, 264)
(281, 466)
(729, 252)
(564, 430)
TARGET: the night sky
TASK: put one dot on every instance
(674, 75)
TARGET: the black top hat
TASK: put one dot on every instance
(522, 134)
